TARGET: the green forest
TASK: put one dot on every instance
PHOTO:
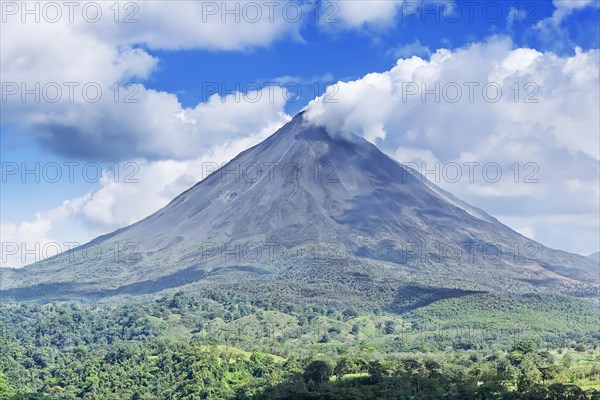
(218, 345)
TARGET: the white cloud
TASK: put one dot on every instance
(526, 231)
(565, 7)
(30, 241)
(370, 13)
(415, 48)
(76, 69)
(175, 24)
(156, 126)
(553, 141)
(557, 230)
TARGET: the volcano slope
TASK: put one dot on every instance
(310, 216)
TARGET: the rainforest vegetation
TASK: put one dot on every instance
(223, 346)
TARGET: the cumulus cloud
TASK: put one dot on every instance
(172, 25)
(234, 25)
(517, 86)
(565, 7)
(530, 116)
(415, 48)
(359, 14)
(66, 82)
(157, 126)
(31, 241)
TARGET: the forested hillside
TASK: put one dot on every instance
(220, 346)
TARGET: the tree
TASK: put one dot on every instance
(177, 301)
(410, 365)
(5, 392)
(548, 372)
(350, 313)
(525, 346)
(325, 338)
(580, 347)
(341, 368)
(560, 391)
(389, 327)
(318, 371)
(376, 371)
(334, 329)
(529, 376)
(433, 368)
(506, 372)
(355, 329)
(567, 360)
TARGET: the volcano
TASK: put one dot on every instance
(309, 215)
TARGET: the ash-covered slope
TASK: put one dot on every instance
(306, 208)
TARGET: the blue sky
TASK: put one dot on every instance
(351, 53)
(178, 54)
